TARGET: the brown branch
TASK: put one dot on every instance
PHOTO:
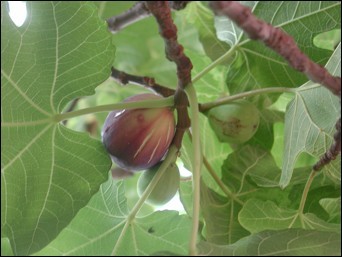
(147, 82)
(178, 5)
(285, 46)
(277, 40)
(175, 53)
(136, 13)
(334, 150)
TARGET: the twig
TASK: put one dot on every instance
(285, 46)
(333, 151)
(136, 13)
(175, 53)
(277, 40)
(147, 82)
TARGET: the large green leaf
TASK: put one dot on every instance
(310, 124)
(48, 172)
(103, 228)
(289, 242)
(259, 67)
(220, 215)
(257, 215)
(249, 172)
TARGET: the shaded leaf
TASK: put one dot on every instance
(333, 208)
(185, 195)
(214, 152)
(247, 172)
(210, 86)
(264, 137)
(289, 242)
(202, 18)
(220, 215)
(257, 215)
(48, 172)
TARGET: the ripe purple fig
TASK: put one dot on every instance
(137, 139)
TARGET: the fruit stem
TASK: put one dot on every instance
(155, 103)
(219, 182)
(170, 158)
(196, 166)
(211, 66)
(206, 106)
(306, 191)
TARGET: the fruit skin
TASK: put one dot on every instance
(166, 187)
(137, 139)
(234, 123)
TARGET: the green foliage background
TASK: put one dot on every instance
(57, 194)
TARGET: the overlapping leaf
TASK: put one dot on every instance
(256, 202)
(202, 18)
(288, 242)
(310, 123)
(103, 228)
(48, 172)
(257, 216)
(333, 207)
(259, 67)
(221, 213)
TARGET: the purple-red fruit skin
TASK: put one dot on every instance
(137, 139)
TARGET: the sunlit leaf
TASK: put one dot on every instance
(310, 124)
(103, 228)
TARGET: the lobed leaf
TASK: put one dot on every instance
(102, 228)
(310, 124)
(288, 242)
(257, 215)
(48, 172)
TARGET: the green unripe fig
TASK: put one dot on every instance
(235, 122)
(137, 139)
(166, 187)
